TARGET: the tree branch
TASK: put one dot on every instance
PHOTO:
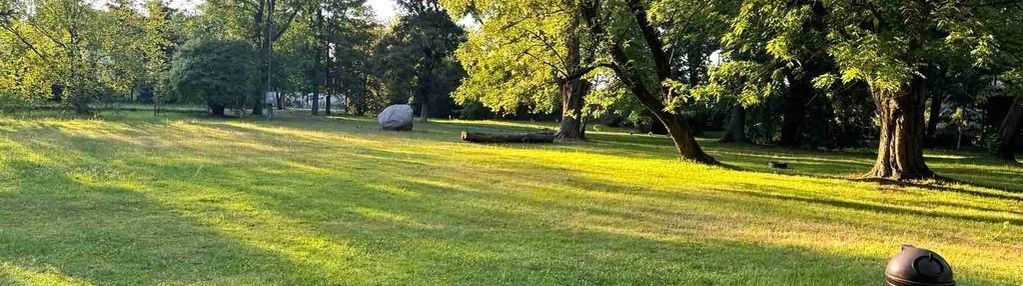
(661, 62)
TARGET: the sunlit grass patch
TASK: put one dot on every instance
(136, 199)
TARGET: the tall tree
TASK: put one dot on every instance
(892, 47)
(421, 45)
(787, 38)
(262, 22)
(58, 43)
(527, 52)
(636, 46)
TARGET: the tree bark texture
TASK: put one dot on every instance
(900, 153)
(573, 98)
(1009, 130)
(529, 137)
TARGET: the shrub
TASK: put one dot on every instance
(221, 73)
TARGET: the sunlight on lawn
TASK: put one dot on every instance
(143, 200)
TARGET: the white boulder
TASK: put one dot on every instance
(396, 117)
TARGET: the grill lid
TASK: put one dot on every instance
(918, 267)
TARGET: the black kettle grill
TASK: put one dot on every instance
(918, 267)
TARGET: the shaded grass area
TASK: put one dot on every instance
(133, 199)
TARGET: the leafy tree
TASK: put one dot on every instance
(637, 40)
(893, 47)
(418, 54)
(55, 46)
(527, 52)
(220, 72)
(1007, 68)
(262, 23)
(785, 42)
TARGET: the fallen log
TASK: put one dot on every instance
(528, 137)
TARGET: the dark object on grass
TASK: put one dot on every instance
(529, 137)
(778, 165)
(918, 267)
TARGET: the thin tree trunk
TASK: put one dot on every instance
(316, 87)
(1010, 128)
(934, 115)
(326, 106)
(900, 153)
(736, 131)
(257, 106)
(317, 62)
(280, 100)
(424, 111)
(573, 97)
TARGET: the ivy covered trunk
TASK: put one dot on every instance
(1009, 129)
(573, 97)
(900, 153)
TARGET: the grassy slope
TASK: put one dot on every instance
(133, 199)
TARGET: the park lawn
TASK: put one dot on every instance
(132, 199)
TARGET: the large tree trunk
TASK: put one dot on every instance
(573, 97)
(573, 88)
(424, 110)
(1010, 128)
(624, 67)
(736, 131)
(795, 111)
(900, 154)
(682, 136)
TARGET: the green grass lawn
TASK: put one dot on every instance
(132, 199)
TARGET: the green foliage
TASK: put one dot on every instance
(90, 54)
(417, 56)
(219, 72)
(519, 52)
(885, 43)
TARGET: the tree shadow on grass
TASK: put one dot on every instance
(493, 224)
(108, 235)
